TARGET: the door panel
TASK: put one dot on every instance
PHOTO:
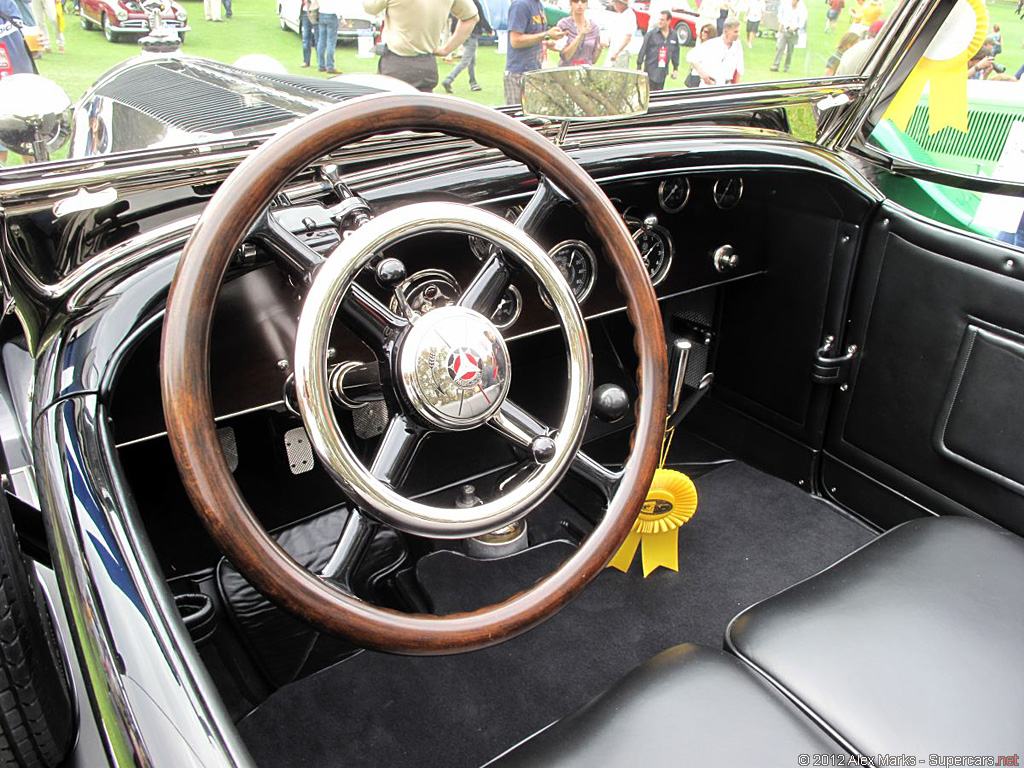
(934, 410)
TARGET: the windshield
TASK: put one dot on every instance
(680, 44)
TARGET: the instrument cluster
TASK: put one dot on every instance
(576, 250)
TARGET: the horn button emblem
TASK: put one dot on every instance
(454, 367)
(464, 367)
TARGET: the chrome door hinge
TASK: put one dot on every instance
(832, 370)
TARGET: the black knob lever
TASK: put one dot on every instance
(610, 402)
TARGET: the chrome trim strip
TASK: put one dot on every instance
(216, 420)
(901, 166)
(24, 190)
(105, 266)
(153, 700)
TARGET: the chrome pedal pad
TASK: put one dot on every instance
(299, 450)
(229, 446)
(370, 420)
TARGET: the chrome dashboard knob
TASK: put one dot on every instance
(725, 259)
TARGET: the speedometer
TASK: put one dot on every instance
(656, 250)
(578, 265)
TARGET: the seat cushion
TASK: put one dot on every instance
(688, 706)
(910, 645)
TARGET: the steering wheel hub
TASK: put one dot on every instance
(454, 367)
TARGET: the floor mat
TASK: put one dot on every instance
(752, 536)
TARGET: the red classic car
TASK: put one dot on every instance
(683, 22)
(121, 18)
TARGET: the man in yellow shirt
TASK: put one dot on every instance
(412, 35)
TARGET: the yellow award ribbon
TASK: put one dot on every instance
(943, 68)
(670, 504)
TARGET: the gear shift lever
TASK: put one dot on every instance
(677, 408)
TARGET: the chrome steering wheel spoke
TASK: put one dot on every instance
(522, 428)
(297, 258)
(369, 319)
(361, 312)
(397, 449)
(488, 286)
(544, 200)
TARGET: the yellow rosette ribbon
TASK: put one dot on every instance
(943, 68)
(670, 504)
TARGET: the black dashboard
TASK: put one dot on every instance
(693, 230)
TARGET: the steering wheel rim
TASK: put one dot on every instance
(333, 279)
(185, 376)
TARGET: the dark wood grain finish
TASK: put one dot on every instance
(185, 377)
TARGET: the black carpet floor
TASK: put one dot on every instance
(752, 536)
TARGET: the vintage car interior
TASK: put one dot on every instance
(325, 447)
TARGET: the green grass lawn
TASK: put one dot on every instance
(254, 29)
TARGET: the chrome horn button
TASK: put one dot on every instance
(454, 366)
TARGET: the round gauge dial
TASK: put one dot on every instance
(673, 194)
(508, 309)
(424, 291)
(656, 250)
(727, 192)
(578, 265)
(481, 247)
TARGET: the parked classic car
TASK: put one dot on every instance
(127, 18)
(290, 506)
(683, 22)
(352, 23)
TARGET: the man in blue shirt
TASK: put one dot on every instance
(14, 55)
(527, 31)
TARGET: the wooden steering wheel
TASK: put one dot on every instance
(408, 349)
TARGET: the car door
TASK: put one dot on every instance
(928, 417)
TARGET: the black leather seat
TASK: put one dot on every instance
(913, 645)
(688, 706)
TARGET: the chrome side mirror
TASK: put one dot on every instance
(35, 115)
(585, 93)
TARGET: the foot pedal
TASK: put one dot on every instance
(300, 452)
(229, 446)
(370, 420)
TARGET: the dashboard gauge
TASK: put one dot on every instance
(656, 250)
(578, 265)
(673, 194)
(727, 192)
(481, 247)
(424, 291)
(508, 309)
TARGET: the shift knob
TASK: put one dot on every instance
(610, 402)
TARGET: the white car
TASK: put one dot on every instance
(353, 22)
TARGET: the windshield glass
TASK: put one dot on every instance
(312, 57)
